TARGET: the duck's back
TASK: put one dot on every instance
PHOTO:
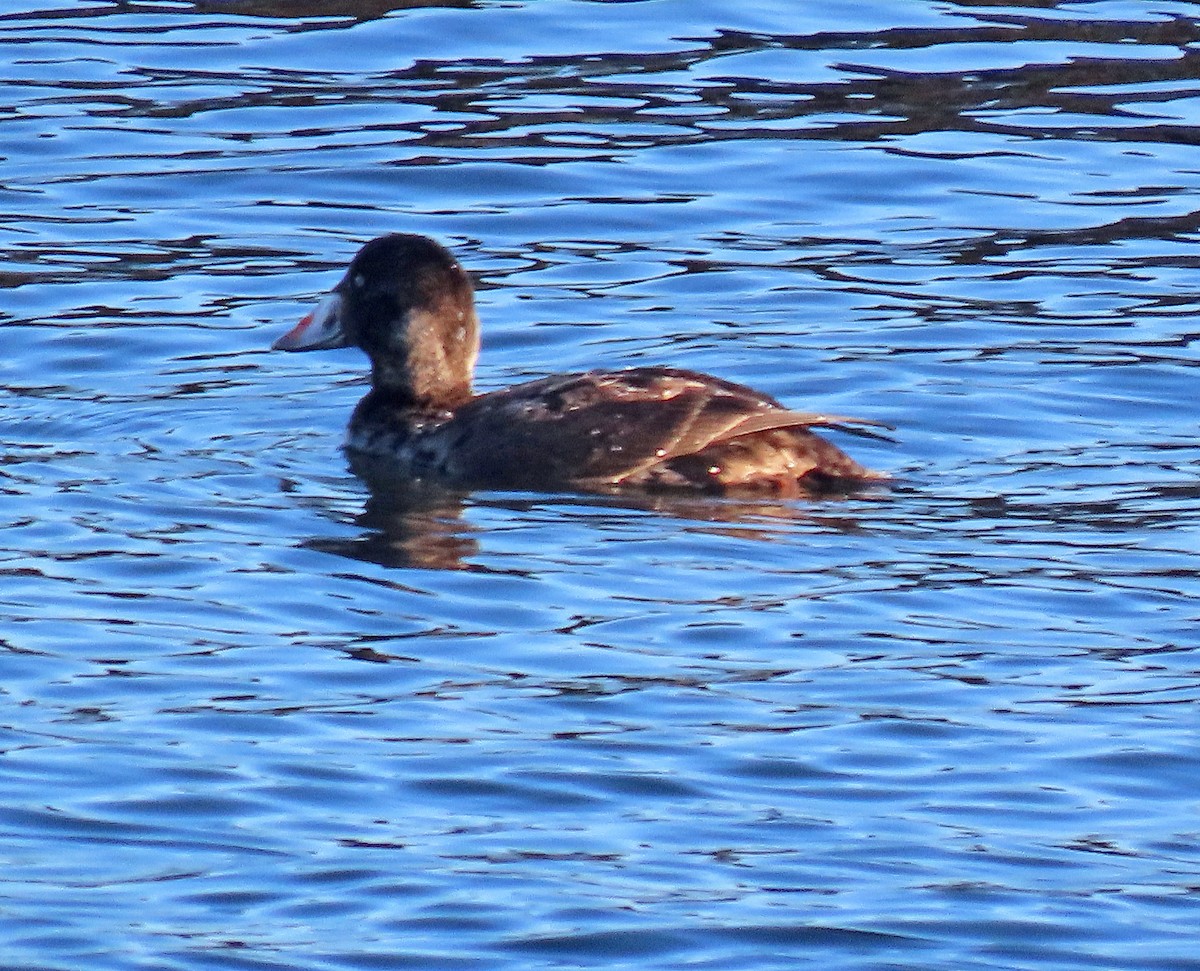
(643, 427)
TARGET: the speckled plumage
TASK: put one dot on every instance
(409, 305)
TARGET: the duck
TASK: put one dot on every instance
(407, 302)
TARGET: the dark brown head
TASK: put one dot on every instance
(409, 305)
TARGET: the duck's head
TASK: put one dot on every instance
(409, 305)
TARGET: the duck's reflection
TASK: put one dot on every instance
(417, 524)
(407, 523)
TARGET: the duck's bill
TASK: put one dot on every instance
(320, 329)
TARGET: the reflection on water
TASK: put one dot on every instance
(317, 719)
(408, 525)
(423, 525)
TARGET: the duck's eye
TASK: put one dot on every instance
(359, 281)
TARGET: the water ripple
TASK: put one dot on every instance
(262, 712)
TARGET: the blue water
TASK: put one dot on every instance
(256, 713)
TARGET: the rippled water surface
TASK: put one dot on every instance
(260, 714)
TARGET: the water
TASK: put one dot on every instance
(261, 714)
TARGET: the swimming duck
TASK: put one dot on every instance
(407, 303)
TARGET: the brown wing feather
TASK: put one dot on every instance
(784, 418)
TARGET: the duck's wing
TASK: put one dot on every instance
(785, 418)
(606, 427)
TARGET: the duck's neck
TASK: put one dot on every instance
(433, 370)
(421, 389)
